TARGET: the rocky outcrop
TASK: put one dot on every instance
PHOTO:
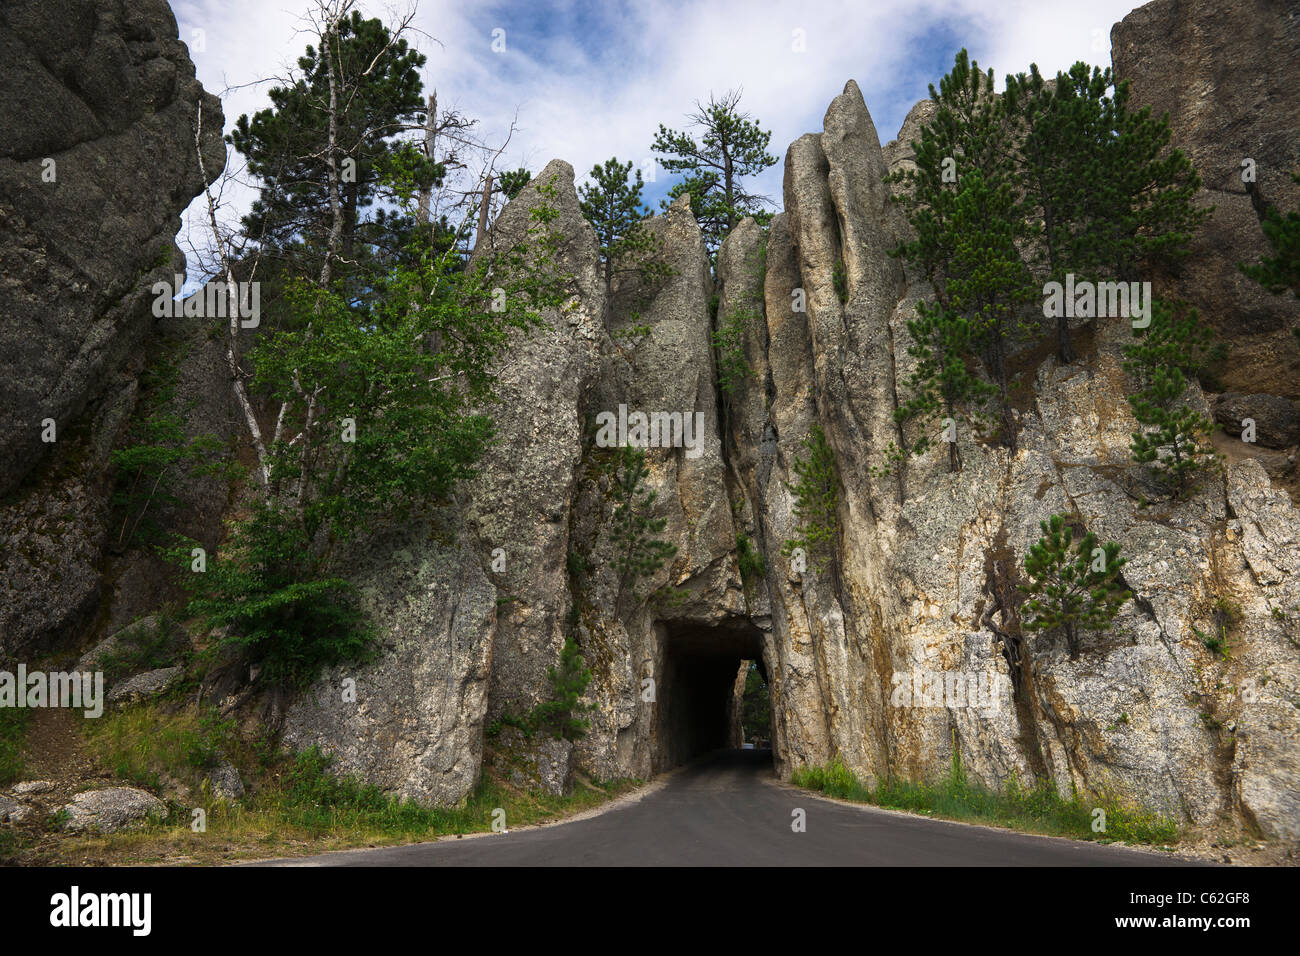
(924, 575)
(1226, 77)
(83, 236)
(113, 809)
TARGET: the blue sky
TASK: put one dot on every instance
(589, 79)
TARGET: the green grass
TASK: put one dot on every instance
(140, 744)
(1037, 810)
(293, 804)
(13, 730)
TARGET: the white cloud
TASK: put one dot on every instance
(590, 82)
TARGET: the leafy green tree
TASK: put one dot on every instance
(816, 500)
(1072, 588)
(1279, 272)
(1103, 192)
(638, 554)
(267, 596)
(384, 396)
(731, 146)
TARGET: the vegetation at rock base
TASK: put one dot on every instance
(1037, 810)
(731, 146)
(559, 715)
(1072, 589)
(13, 728)
(294, 803)
(816, 500)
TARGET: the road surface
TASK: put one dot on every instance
(730, 809)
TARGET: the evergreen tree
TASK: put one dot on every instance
(1072, 589)
(941, 385)
(612, 204)
(558, 716)
(1102, 193)
(1175, 444)
(512, 182)
(638, 554)
(962, 201)
(324, 140)
(1174, 348)
(731, 147)
(1282, 271)
(816, 500)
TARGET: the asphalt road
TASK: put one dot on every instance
(730, 809)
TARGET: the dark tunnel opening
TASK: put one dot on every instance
(700, 688)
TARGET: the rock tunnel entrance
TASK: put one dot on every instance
(699, 689)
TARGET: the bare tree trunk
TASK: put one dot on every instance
(483, 210)
(232, 339)
(430, 136)
(331, 155)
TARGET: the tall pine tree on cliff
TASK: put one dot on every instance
(732, 146)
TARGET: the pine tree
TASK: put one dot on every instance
(367, 83)
(1173, 441)
(612, 204)
(1102, 192)
(1175, 347)
(816, 500)
(558, 716)
(941, 384)
(638, 554)
(731, 147)
(1072, 589)
(962, 202)
(1282, 271)
(512, 182)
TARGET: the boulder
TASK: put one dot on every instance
(144, 686)
(113, 809)
(225, 781)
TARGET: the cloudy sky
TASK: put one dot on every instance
(589, 79)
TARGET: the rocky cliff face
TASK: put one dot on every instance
(924, 573)
(1231, 97)
(97, 161)
(474, 600)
